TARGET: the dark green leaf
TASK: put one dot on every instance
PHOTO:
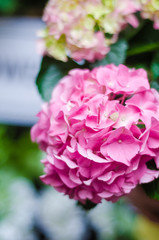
(116, 55)
(145, 41)
(155, 71)
(151, 165)
(152, 188)
(51, 71)
(155, 66)
(87, 206)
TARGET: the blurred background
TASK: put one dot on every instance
(28, 209)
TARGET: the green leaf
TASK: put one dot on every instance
(51, 71)
(116, 55)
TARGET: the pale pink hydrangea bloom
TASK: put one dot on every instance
(150, 10)
(78, 28)
(99, 130)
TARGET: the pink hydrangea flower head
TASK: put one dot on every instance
(99, 130)
(78, 28)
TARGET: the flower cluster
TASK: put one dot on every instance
(84, 29)
(100, 130)
(150, 10)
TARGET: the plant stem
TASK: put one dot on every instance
(143, 49)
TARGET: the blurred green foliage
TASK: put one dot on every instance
(25, 7)
(19, 157)
(18, 153)
(124, 221)
(7, 176)
(8, 6)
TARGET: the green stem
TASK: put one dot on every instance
(142, 49)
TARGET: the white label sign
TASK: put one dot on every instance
(19, 65)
